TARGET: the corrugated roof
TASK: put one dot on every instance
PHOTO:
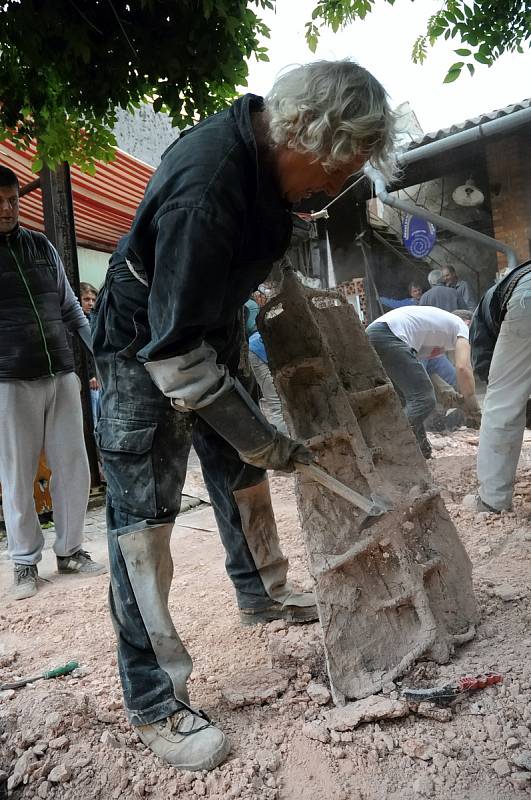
(442, 133)
(104, 203)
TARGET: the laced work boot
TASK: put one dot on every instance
(186, 740)
(81, 562)
(26, 577)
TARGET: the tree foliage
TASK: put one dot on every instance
(488, 28)
(66, 65)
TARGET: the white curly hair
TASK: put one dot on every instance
(335, 110)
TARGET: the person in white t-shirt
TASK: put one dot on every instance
(402, 337)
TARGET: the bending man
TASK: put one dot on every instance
(167, 334)
(405, 335)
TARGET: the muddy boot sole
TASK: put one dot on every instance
(293, 615)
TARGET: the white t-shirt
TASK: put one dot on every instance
(425, 327)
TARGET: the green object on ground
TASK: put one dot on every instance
(57, 672)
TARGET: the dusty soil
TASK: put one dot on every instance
(68, 738)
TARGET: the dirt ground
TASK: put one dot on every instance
(69, 739)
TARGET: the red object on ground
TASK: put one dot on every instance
(469, 683)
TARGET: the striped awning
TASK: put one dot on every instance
(104, 204)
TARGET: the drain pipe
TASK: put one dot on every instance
(442, 222)
(493, 127)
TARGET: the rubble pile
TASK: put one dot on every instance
(68, 738)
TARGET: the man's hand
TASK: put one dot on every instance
(445, 393)
(280, 454)
(472, 411)
(93, 383)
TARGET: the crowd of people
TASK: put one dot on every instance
(167, 374)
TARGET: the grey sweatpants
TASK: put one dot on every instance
(43, 414)
(509, 387)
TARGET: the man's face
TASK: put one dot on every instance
(87, 302)
(8, 208)
(416, 292)
(301, 175)
(448, 277)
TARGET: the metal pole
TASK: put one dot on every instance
(323, 253)
(59, 227)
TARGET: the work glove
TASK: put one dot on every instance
(281, 454)
(472, 412)
(237, 418)
(446, 395)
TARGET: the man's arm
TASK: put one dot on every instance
(463, 368)
(71, 311)
(390, 302)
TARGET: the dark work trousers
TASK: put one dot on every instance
(145, 445)
(406, 372)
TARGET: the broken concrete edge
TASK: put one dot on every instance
(378, 707)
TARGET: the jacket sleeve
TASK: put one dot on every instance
(193, 255)
(482, 337)
(71, 311)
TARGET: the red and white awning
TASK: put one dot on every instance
(104, 203)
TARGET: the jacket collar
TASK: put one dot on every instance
(268, 190)
(12, 236)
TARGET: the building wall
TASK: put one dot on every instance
(474, 262)
(144, 134)
(508, 161)
(92, 266)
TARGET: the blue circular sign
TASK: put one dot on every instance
(418, 235)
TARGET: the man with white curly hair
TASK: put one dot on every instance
(167, 337)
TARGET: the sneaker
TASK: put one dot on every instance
(26, 577)
(291, 614)
(81, 562)
(186, 740)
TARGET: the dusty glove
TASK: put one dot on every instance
(238, 419)
(446, 395)
(280, 454)
(472, 411)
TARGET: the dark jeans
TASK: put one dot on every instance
(145, 445)
(406, 372)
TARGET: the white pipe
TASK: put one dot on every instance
(491, 128)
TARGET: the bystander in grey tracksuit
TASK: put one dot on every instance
(40, 407)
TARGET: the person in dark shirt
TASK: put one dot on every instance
(167, 336)
(465, 293)
(439, 295)
(40, 406)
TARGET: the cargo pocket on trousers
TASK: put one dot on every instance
(126, 449)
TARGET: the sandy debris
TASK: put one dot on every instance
(68, 738)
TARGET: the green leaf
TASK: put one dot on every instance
(462, 51)
(482, 58)
(452, 75)
(157, 104)
(471, 68)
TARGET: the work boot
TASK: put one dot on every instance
(26, 577)
(186, 740)
(290, 614)
(80, 562)
(482, 506)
